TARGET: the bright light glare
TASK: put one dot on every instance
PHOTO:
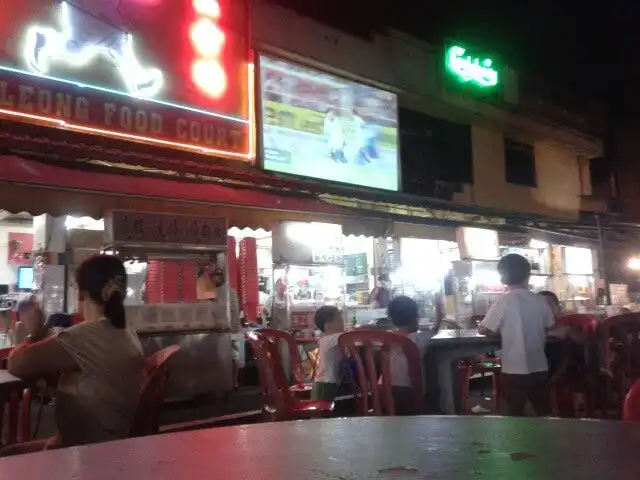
(210, 77)
(207, 38)
(83, 223)
(634, 263)
(209, 8)
(537, 244)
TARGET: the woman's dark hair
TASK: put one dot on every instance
(104, 279)
(514, 269)
(553, 296)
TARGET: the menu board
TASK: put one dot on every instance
(355, 265)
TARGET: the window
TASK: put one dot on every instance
(436, 154)
(520, 164)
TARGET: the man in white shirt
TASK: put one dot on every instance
(522, 319)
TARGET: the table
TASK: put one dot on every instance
(383, 448)
(446, 348)
(9, 383)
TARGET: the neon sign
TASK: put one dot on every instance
(83, 36)
(471, 70)
(116, 68)
(208, 40)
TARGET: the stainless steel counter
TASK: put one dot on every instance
(201, 367)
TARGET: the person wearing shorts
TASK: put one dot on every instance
(522, 319)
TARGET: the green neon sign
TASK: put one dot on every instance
(471, 70)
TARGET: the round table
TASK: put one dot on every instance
(412, 448)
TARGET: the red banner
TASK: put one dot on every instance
(20, 247)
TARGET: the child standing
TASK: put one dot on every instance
(522, 319)
(330, 322)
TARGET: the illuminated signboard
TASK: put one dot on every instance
(325, 127)
(174, 73)
(468, 69)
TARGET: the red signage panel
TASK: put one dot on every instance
(170, 72)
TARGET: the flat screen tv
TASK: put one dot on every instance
(25, 278)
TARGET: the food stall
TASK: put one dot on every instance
(425, 265)
(476, 282)
(177, 291)
(308, 262)
(575, 282)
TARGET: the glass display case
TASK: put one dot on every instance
(301, 290)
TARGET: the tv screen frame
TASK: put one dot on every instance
(19, 283)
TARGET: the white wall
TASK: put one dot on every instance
(9, 273)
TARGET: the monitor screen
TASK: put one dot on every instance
(25, 278)
(325, 127)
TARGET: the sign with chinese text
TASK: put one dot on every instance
(470, 69)
(173, 73)
(142, 228)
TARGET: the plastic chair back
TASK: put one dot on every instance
(585, 322)
(279, 337)
(275, 388)
(622, 334)
(145, 421)
(363, 345)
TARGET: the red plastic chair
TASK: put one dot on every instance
(278, 337)
(279, 402)
(631, 410)
(145, 421)
(480, 365)
(619, 346)
(362, 345)
(564, 390)
(585, 322)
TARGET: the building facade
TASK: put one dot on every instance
(460, 140)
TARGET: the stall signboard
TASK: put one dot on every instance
(162, 229)
(301, 243)
(325, 127)
(173, 73)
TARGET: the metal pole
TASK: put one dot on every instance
(602, 269)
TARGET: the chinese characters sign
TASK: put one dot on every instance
(169, 72)
(142, 228)
(469, 69)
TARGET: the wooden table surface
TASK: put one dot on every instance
(413, 448)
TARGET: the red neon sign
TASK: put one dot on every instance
(120, 68)
(208, 40)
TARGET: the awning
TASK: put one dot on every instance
(36, 188)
